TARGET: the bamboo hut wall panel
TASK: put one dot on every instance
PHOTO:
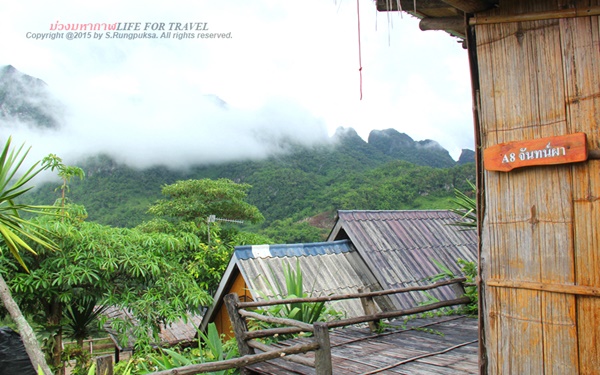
(581, 45)
(538, 79)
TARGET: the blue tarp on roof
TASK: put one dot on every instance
(293, 250)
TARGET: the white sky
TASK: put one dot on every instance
(290, 69)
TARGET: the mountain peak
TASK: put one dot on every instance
(401, 146)
(345, 133)
(26, 99)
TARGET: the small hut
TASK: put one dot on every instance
(327, 268)
(366, 250)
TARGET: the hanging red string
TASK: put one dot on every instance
(359, 49)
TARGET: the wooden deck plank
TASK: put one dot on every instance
(357, 350)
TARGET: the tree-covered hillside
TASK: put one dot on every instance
(305, 186)
(296, 190)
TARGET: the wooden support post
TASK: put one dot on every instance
(323, 364)
(458, 289)
(104, 365)
(369, 307)
(239, 326)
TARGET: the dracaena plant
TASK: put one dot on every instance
(307, 312)
(466, 208)
(15, 231)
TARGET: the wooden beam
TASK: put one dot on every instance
(443, 23)
(409, 5)
(338, 297)
(581, 290)
(471, 6)
(537, 16)
(397, 313)
(275, 320)
(291, 358)
(237, 362)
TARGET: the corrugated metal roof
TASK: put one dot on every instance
(172, 334)
(399, 246)
(292, 250)
(328, 268)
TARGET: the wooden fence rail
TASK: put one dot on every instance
(319, 343)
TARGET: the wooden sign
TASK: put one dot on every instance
(561, 149)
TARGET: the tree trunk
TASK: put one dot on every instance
(54, 322)
(34, 351)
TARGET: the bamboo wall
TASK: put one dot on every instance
(540, 245)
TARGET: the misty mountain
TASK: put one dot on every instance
(298, 182)
(299, 185)
(401, 146)
(26, 99)
(466, 156)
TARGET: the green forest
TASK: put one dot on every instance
(298, 193)
(105, 235)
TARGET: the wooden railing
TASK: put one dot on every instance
(96, 347)
(319, 342)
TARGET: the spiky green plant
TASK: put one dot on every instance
(466, 208)
(210, 349)
(14, 230)
(307, 312)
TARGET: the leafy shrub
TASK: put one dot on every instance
(307, 312)
(469, 269)
(210, 348)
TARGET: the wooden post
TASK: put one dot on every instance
(239, 326)
(323, 364)
(369, 307)
(458, 289)
(104, 365)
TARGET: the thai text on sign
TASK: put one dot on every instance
(561, 149)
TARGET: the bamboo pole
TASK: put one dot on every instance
(235, 362)
(291, 358)
(271, 319)
(272, 332)
(351, 295)
(397, 313)
(537, 16)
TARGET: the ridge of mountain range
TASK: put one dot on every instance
(299, 175)
(27, 99)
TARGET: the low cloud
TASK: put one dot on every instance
(168, 128)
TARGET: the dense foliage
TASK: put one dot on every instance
(99, 265)
(290, 190)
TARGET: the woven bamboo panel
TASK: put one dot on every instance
(540, 227)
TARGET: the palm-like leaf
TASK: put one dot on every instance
(466, 208)
(13, 228)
